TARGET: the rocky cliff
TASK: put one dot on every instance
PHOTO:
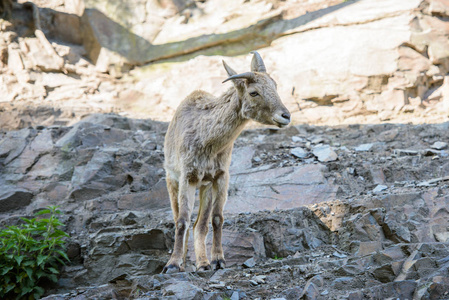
(352, 211)
(364, 61)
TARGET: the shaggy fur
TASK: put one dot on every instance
(198, 147)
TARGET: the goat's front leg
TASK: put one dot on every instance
(186, 199)
(200, 228)
(220, 189)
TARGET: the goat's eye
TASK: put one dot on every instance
(254, 94)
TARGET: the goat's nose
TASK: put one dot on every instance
(286, 115)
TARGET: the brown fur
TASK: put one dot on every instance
(198, 147)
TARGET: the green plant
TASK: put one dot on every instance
(30, 254)
(277, 258)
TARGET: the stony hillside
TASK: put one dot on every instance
(366, 61)
(347, 203)
(329, 212)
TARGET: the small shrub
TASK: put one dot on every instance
(30, 254)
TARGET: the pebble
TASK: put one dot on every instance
(379, 188)
(324, 153)
(253, 282)
(364, 147)
(297, 139)
(439, 145)
(339, 255)
(249, 263)
(299, 152)
(235, 296)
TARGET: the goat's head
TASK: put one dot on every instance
(257, 90)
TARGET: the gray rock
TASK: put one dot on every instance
(292, 293)
(439, 145)
(183, 290)
(297, 139)
(12, 145)
(384, 273)
(299, 152)
(250, 263)
(14, 199)
(310, 291)
(405, 152)
(275, 188)
(325, 153)
(379, 188)
(241, 159)
(364, 147)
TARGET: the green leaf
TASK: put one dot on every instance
(5, 270)
(62, 254)
(40, 290)
(25, 290)
(19, 259)
(53, 270)
(52, 277)
(7, 279)
(42, 212)
(39, 274)
(20, 277)
(29, 272)
(9, 287)
(27, 220)
(29, 263)
(41, 259)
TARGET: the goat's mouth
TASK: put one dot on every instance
(281, 123)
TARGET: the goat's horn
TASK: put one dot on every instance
(228, 69)
(257, 64)
(248, 75)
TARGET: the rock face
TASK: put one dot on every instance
(345, 212)
(294, 226)
(325, 55)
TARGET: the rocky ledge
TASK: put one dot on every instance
(349, 212)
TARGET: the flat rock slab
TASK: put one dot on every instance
(15, 199)
(280, 188)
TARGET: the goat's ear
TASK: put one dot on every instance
(228, 69)
(257, 64)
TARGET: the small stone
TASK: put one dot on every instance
(379, 188)
(249, 263)
(405, 152)
(259, 278)
(299, 152)
(339, 255)
(235, 296)
(297, 139)
(310, 291)
(364, 147)
(439, 145)
(253, 282)
(325, 153)
(219, 285)
(317, 140)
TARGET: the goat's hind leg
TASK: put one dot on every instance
(220, 190)
(201, 227)
(186, 198)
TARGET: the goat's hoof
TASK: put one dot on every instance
(204, 268)
(172, 268)
(218, 264)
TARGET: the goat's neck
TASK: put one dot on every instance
(231, 121)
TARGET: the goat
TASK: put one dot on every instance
(197, 149)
